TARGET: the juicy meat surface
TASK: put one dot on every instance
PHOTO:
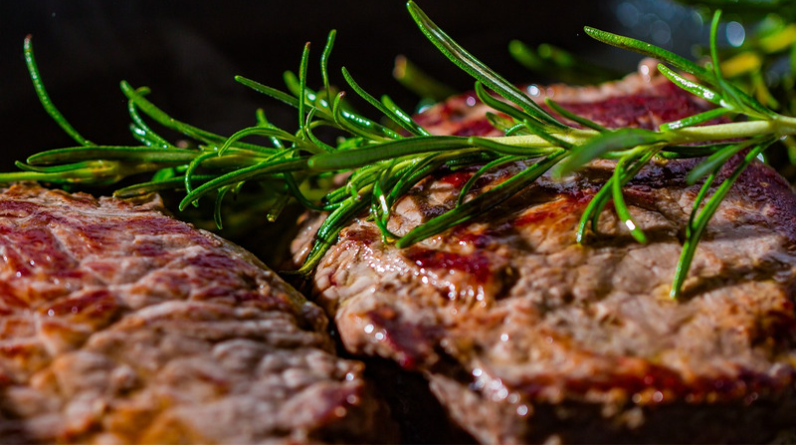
(119, 324)
(526, 336)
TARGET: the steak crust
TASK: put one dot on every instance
(526, 336)
(119, 324)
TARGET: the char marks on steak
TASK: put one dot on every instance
(119, 324)
(526, 336)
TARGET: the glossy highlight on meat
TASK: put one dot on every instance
(526, 336)
(119, 324)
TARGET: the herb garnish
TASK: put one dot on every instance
(385, 161)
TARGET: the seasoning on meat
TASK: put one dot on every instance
(526, 336)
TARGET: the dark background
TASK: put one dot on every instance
(189, 51)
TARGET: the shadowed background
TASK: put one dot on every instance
(188, 53)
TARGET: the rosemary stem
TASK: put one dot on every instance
(732, 131)
(786, 120)
(781, 125)
(573, 136)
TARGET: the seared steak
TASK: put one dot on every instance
(526, 336)
(119, 324)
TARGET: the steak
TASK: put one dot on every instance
(526, 336)
(119, 324)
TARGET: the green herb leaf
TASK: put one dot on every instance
(622, 139)
(44, 97)
(399, 118)
(698, 224)
(715, 161)
(476, 68)
(650, 50)
(481, 203)
(695, 119)
(388, 150)
(574, 117)
(619, 203)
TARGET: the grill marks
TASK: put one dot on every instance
(526, 336)
(119, 324)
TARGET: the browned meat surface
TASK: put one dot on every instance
(526, 336)
(121, 325)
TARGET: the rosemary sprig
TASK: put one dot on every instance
(382, 163)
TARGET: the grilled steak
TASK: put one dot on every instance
(119, 324)
(526, 336)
